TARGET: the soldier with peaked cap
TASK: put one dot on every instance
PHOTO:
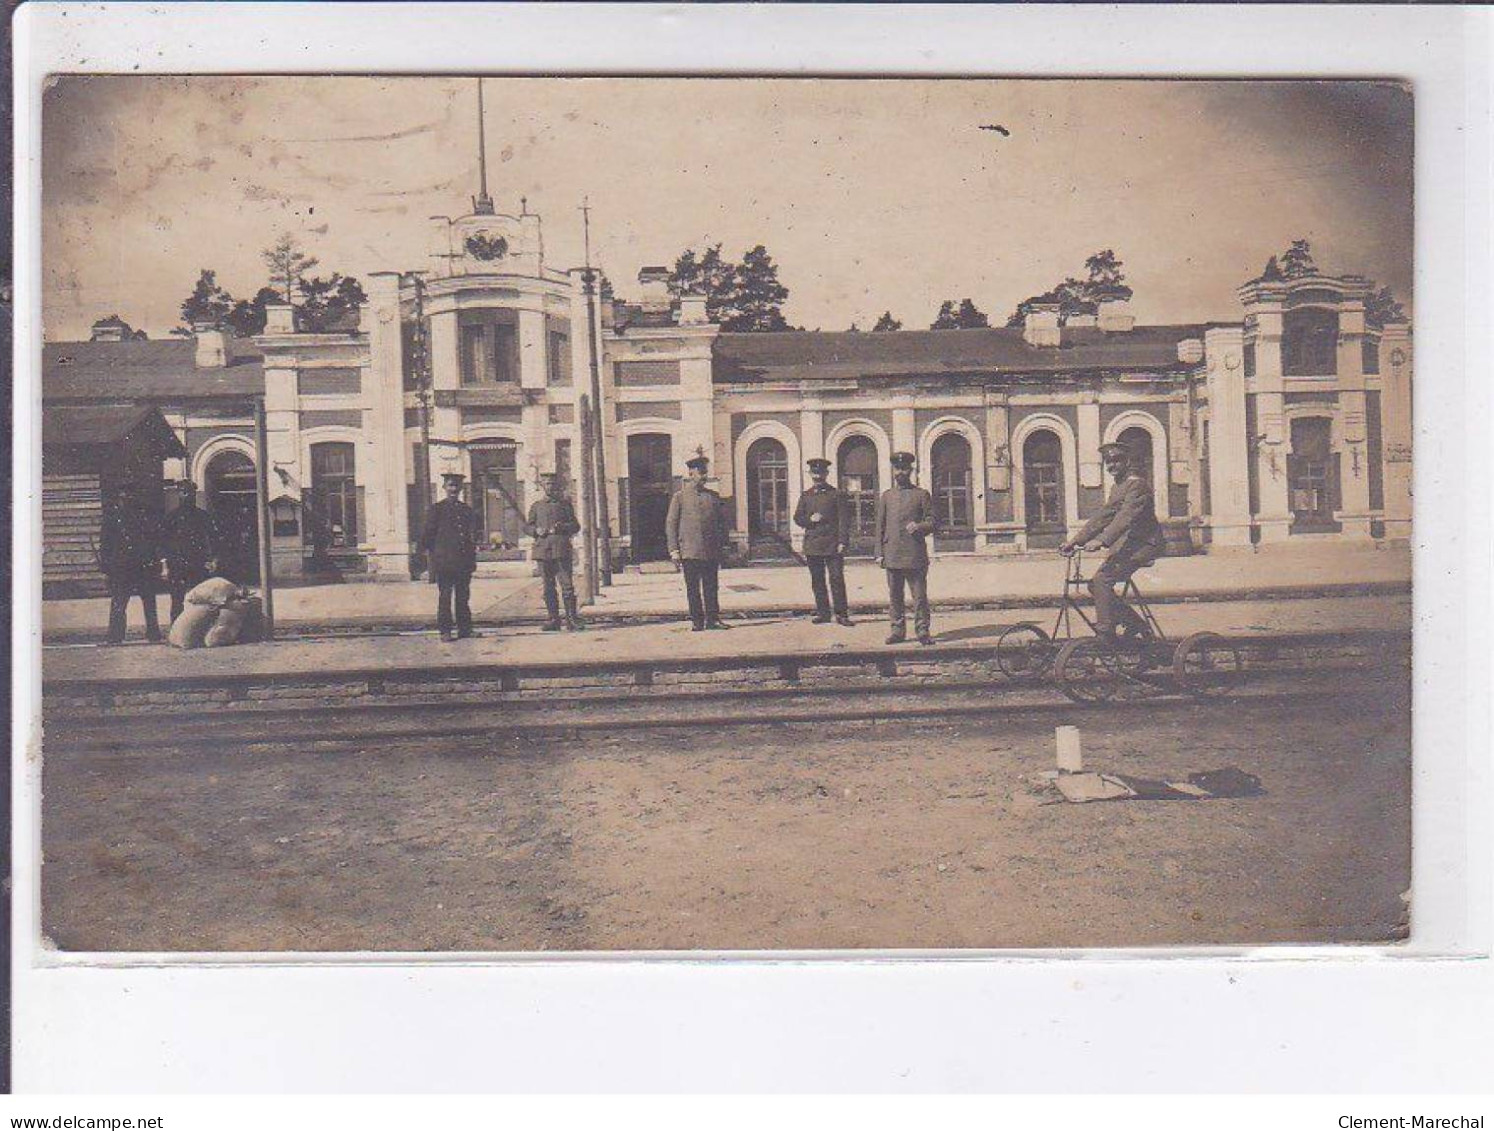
(824, 513)
(129, 554)
(450, 538)
(696, 530)
(905, 518)
(552, 523)
(1126, 525)
(188, 546)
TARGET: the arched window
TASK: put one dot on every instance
(1309, 342)
(1138, 442)
(231, 484)
(767, 488)
(857, 464)
(953, 507)
(1042, 472)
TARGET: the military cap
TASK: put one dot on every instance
(697, 462)
(185, 485)
(453, 477)
(1116, 446)
(903, 459)
(818, 464)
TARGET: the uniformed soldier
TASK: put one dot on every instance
(450, 539)
(905, 518)
(824, 513)
(1126, 525)
(189, 546)
(552, 522)
(696, 530)
(129, 554)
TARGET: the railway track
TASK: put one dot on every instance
(326, 728)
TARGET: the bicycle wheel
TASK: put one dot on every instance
(1205, 664)
(1087, 671)
(1023, 651)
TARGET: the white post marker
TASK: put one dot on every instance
(1070, 757)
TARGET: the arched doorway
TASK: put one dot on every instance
(498, 497)
(650, 484)
(1138, 442)
(1042, 474)
(1313, 477)
(954, 504)
(768, 499)
(857, 464)
(231, 486)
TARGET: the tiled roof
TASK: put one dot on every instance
(88, 425)
(810, 355)
(163, 370)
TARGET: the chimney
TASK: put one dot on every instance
(1116, 317)
(1040, 327)
(1191, 351)
(653, 283)
(212, 345)
(693, 310)
(280, 318)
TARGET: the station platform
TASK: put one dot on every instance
(965, 582)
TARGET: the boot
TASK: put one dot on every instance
(551, 625)
(573, 621)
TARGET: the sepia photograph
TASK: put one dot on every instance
(657, 514)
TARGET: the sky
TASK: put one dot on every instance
(870, 195)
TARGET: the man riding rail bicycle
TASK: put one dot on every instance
(1127, 526)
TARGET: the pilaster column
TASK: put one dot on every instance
(998, 446)
(1091, 471)
(1274, 518)
(811, 433)
(904, 430)
(533, 350)
(1229, 450)
(1396, 427)
(386, 501)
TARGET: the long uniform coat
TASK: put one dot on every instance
(824, 539)
(1127, 523)
(129, 541)
(189, 540)
(450, 537)
(558, 519)
(696, 524)
(896, 507)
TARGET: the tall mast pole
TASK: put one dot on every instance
(483, 205)
(604, 516)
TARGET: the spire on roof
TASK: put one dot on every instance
(482, 204)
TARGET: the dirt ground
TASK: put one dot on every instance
(907, 835)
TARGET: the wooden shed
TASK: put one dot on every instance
(88, 453)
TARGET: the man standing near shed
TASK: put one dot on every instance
(696, 530)
(824, 513)
(552, 522)
(189, 546)
(450, 538)
(129, 554)
(905, 518)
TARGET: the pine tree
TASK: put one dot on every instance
(327, 305)
(248, 317)
(886, 323)
(207, 304)
(1296, 261)
(287, 264)
(965, 316)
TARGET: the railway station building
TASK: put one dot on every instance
(1288, 419)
